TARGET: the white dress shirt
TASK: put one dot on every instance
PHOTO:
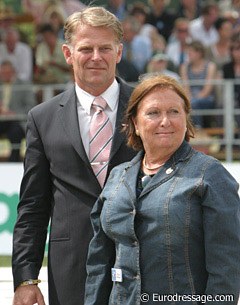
(111, 96)
(21, 58)
(198, 32)
(173, 50)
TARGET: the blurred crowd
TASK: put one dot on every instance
(189, 40)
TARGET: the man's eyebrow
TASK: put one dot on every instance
(91, 46)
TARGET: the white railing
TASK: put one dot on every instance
(225, 109)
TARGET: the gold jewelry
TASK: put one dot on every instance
(30, 282)
(153, 168)
(137, 132)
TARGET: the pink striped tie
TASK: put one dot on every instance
(100, 136)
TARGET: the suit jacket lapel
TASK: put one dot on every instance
(119, 136)
(69, 118)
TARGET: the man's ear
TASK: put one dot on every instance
(119, 54)
(67, 53)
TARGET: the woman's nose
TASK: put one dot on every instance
(164, 121)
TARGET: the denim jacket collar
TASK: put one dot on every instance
(170, 168)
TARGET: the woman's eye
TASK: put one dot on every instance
(173, 111)
(153, 113)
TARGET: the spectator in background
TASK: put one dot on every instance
(118, 8)
(234, 18)
(231, 70)
(71, 6)
(189, 9)
(15, 99)
(137, 49)
(19, 53)
(219, 52)
(199, 69)
(176, 49)
(158, 42)
(236, 9)
(203, 28)
(161, 18)
(7, 19)
(140, 11)
(39, 8)
(231, 11)
(158, 65)
(35, 8)
(56, 20)
(50, 62)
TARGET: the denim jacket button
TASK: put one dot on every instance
(133, 212)
(135, 243)
(137, 277)
(169, 171)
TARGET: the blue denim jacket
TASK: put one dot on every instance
(181, 236)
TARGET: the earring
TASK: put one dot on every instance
(137, 132)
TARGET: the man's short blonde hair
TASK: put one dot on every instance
(95, 17)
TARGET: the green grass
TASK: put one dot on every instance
(6, 261)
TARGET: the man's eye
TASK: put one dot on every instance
(85, 50)
(105, 49)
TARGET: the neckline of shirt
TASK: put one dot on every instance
(110, 95)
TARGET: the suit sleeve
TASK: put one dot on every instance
(101, 257)
(221, 221)
(34, 208)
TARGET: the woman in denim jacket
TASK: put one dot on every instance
(167, 224)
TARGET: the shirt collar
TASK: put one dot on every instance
(110, 95)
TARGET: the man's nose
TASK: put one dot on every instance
(96, 55)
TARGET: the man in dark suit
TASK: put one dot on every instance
(59, 183)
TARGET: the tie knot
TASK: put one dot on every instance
(99, 103)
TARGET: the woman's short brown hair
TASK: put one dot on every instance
(198, 47)
(147, 85)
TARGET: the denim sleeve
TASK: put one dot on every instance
(101, 257)
(221, 222)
